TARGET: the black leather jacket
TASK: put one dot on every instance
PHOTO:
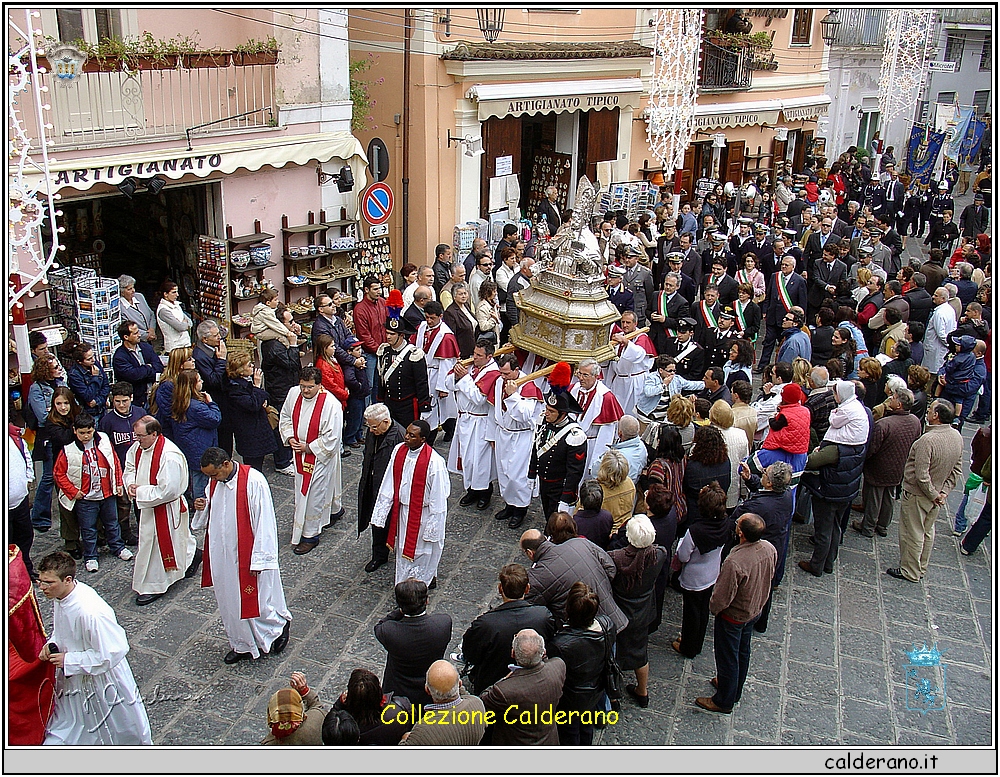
(583, 651)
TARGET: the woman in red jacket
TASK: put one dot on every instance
(326, 362)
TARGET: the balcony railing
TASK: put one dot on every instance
(107, 108)
(862, 27)
(725, 69)
(980, 16)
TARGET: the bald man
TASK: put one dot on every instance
(461, 721)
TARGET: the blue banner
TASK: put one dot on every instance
(922, 153)
(972, 142)
(953, 145)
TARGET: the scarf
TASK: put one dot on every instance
(661, 307)
(249, 602)
(632, 563)
(709, 534)
(416, 506)
(305, 463)
(783, 294)
(163, 539)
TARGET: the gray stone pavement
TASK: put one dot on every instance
(828, 671)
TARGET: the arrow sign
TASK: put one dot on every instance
(376, 204)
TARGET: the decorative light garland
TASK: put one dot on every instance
(29, 200)
(673, 87)
(904, 59)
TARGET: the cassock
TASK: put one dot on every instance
(512, 433)
(241, 559)
(97, 700)
(471, 454)
(441, 351)
(166, 544)
(628, 372)
(601, 411)
(416, 524)
(29, 679)
(318, 421)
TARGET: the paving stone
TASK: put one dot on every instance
(635, 725)
(205, 729)
(934, 723)
(952, 626)
(904, 611)
(794, 737)
(965, 686)
(863, 679)
(812, 682)
(861, 643)
(920, 738)
(765, 662)
(973, 727)
(980, 581)
(176, 626)
(813, 606)
(806, 718)
(948, 599)
(971, 654)
(694, 726)
(939, 575)
(759, 711)
(743, 739)
(851, 739)
(872, 719)
(809, 642)
(855, 565)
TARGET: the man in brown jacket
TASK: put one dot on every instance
(892, 438)
(932, 470)
(295, 715)
(525, 701)
(741, 591)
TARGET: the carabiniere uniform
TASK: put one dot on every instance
(403, 380)
(558, 459)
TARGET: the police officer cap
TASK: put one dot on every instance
(866, 250)
(617, 271)
(675, 256)
(395, 325)
(717, 237)
(762, 228)
(562, 402)
(744, 220)
(789, 232)
(727, 313)
(686, 325)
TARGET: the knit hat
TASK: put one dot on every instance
(843, 390)
(640, 531)
(284, 712)
(792, 394)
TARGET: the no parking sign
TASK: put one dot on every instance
(376, 204)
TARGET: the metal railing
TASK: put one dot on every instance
(966, 16)
(724, 69)
(862, 27)
(106, 108)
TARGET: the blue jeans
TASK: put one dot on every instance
(282, 454)
(41, 510)
(985, 399)
(87, 514)
(732, 660)
(353, 421)
(199, 483)
(961, 522)
(371, 362)
(979, 529)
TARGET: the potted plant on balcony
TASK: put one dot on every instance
(256, 52)
(210, 58)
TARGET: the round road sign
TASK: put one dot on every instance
(376, 204)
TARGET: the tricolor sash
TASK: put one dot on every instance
(162, 521)
(304, 463)
(708, 315)
(741, 318)
(661, 308)
(417, 486)
(783, 295)
(743, 276)
(249, 602)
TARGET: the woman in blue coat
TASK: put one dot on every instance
(88, 382)
(246, 404)
(195, 419)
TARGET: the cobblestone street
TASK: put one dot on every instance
(828, 671)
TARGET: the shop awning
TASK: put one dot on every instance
(741, 114)
(811, 107)
(203, 160)
(528, 98)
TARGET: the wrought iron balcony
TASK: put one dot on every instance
(725, 68)
(976, 16)
(110, 107)
(862, 27)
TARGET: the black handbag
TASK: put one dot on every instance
(614, 680)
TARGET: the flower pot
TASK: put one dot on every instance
(244, 59)
(207, 59)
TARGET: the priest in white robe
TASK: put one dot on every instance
(628, 372)
(96, 699)
(412, 503)
(241, 557)
(516, 410)
(441, 351)
(471, 454)
(601, 409)
(156, 477)
(311, 423)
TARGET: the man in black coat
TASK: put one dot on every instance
(413, 640)
(559, 454)
(550, 209)
(887, 201)
(975, 218)
(413, 316)
(384, 434)
(135, 362)
(921, 303)
(813, 253)
(210, 360)
(717, 252)
(691, 265)
(281, 364)
(775, 305)
(725, 283)
(670, 306)
(686, 288)
(824, 278)
(486, 644)
(684, 349)
(402, 371)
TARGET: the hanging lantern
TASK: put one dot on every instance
(490, 22)
(674, 84)
(904, 59)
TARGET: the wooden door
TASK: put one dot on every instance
(687, 173)
(501, 137)
(735, 151)
(601, 139)
(778, 150)
(805, 138)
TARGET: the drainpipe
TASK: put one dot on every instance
(406, 135)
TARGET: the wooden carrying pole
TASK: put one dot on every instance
(508, 348)
(543, 373)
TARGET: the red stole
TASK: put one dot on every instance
(417, 487)
(249, 603)
(305, 463)
(162, 521)
(29, 681)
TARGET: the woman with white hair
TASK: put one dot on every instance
(638, 566)
(135, 308)
(619, 490)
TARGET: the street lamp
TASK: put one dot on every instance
(829, 25)
(490, 22)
